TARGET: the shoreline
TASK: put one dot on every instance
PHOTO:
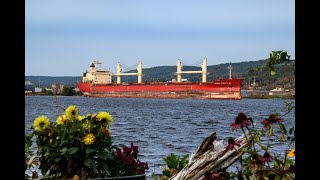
(264, 94)
(268, 97)
(242, 97)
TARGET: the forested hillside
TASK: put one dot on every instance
(247, 70)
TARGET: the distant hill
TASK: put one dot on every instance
(285, 74)
(47, 81)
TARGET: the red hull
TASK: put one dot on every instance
(218, 89)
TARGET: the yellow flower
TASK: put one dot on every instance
(81, 117)
(106, 131)
(89, 115)
(40, 123)
(104, 116)
(89, 139)
(61, 119)
(292, 152)
(86, 125)
(72, 112)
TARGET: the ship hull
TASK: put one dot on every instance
(218, 89)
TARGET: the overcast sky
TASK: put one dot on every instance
(63, 37)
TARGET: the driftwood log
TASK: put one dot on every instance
(211, 156)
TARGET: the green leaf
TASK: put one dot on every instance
(258, 69)
(271, 130)
(172, 161)
(88, 162)
(93, 166)
(291, 130)
(272, 72)
(90, 150)
(283, 56)
(106, 169)
(31, 159)
(79, 139)
(262, 146)
(166, 173)
(73, 150)
(267, 132)
(109, 156)
(283, 128)
(183, 162)
(276, 164)
(288, 162)
(108, 150)
(28, 140)
(257, 138)
(47, 153)
(102, 156)
(64, 151)
(57, 159)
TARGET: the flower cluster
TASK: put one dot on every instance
(78, 145)
(127, 161)
(254, 164)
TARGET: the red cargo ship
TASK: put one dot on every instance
(97, 82)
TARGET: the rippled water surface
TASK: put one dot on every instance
(163, 126)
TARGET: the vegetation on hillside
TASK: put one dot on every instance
(248, 70)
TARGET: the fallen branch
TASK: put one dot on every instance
(211, 156)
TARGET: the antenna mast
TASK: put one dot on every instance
(97, 64)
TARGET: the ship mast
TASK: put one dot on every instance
(97, 64)
(203, 71)
(119, 74)
(140, 72)
(229, 67)
(179, 70)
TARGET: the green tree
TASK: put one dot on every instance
(67, 91)
(276, 57)
(46, 92)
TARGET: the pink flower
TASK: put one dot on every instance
(241, 121)
(272, 119)
(266, 158)
(232, 143)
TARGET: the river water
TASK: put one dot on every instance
(163, 126)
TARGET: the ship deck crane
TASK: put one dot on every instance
(119, 74)
(203, 71)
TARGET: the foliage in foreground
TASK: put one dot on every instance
(259, 161)
(78, 146)
(174, 165)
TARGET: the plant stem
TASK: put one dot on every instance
(56, 99)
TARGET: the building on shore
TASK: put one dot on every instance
(37, 89)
